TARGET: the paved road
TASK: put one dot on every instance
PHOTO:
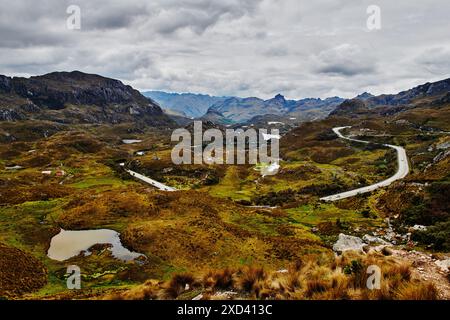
(403, 170)
(154, 183)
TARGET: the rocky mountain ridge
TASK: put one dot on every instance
(75, 97)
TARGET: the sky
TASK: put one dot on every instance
(299, 48)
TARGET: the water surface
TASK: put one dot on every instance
(68, 244)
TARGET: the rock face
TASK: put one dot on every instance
(5, 84)
(75, 97)
(348, 243)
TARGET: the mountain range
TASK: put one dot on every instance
(81, 98)
(189, 105)
(236, 110)
(429, 95)
(244, 110)
(232, 110)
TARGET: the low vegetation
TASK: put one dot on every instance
(344, 277)
(227, 230)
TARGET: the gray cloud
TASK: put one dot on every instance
(346, 60)
(233, 47)
(345, 70)
(435, 60)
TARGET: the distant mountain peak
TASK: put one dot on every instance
(364, 96)
(280, 97)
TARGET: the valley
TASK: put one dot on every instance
(222, 231)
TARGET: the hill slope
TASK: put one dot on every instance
(75, 97)
(427, 105)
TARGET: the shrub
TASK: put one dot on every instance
(177, 284)
(249, 277)
(222, 279)
(315, 286)
(403, 271)
(438, 236)
(422, 291)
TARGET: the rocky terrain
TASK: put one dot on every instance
(75, 97)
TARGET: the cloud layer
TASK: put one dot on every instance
(233, 47)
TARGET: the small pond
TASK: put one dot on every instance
(68, 244)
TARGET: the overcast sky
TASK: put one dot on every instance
(300, 48)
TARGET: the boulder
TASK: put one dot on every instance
(348, 243)
(374, 240)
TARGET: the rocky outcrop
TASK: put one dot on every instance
(57, 89)
(5, 84)
(348, 243)
(76, 97)
(11, 115)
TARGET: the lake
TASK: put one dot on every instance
(68, 244)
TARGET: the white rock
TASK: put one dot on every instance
(419, 227)
(199, 297)
(374, 240)
(270, 170)
(283, 271)
(348, 243)
(444, 265)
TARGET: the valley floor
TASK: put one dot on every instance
(225, 228)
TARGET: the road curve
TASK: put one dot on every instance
(152, 182)
(402, 171)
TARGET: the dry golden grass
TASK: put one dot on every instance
(344, 278)
(421, 291)
(219, 279)
(178, 284)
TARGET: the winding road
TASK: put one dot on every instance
(152, 182)
(402, 171)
